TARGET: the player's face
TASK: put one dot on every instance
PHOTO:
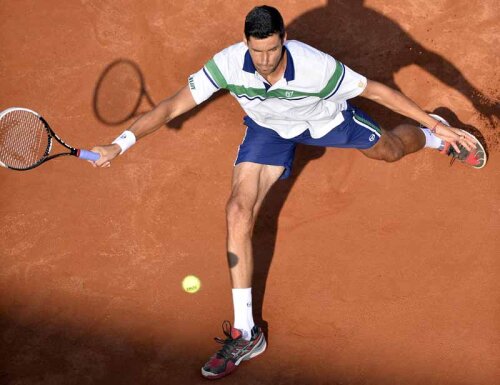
(265, 53)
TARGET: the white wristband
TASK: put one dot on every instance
(125, 140)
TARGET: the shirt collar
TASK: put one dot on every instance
(290, 68)
(289, 75)
(248, 63)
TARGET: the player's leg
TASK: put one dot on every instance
(244, 340)
(251, 182)
(263, 158)
(406, 139)
(358, 130)
(395, 144)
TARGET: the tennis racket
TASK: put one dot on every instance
(26, 140)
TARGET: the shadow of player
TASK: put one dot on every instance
(266, 227)
(373, 45)
(377, 47)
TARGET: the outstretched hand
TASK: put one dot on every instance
(454, 136)
(107, 153)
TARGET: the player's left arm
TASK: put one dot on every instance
(403, 105)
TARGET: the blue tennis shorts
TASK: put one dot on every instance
(264, 146)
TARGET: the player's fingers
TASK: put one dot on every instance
(471, 141)
(466, 141)
(455, 146)
(451, 138)
(467, 144)
(458, 136)
(463, 141)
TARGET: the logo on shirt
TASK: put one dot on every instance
(289, 94)
(191, 83)
(371, 138)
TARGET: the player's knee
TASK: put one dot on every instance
(394, 154)
(389, 149)
(393, 150)
(239, 213)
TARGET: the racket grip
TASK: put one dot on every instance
(88, 155)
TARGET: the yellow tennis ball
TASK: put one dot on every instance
(191, 284)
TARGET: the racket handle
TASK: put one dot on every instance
(88, 155)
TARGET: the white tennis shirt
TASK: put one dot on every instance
(310, 96)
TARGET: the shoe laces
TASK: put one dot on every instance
(229, 343)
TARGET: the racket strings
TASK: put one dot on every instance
(24, 140)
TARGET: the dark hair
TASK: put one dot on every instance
(264, 21)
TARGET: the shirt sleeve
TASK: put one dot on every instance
(210, 78)
(202, 86)
(344, 84)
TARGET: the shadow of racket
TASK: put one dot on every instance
(119, 93)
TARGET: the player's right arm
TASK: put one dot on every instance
(165, 111)
(201, 86)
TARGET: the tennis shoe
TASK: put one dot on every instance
(475, 158)
(235, 349)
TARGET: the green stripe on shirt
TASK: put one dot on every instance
(246, 91)
(334, 80)
(214, 71)
(240, 91)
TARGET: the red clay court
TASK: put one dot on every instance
(368, 273)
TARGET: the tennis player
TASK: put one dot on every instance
(291, 93)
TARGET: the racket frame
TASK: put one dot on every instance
(51, 134)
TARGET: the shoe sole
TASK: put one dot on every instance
(257, 350)
(479, 146)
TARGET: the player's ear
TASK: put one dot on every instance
(283, 41)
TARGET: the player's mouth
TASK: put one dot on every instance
(265, 68)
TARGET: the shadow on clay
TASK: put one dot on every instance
(121, 96)
(340, 29)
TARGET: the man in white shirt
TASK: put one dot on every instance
(291, 93)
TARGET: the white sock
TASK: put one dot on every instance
(431, 140)
(243, 317)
